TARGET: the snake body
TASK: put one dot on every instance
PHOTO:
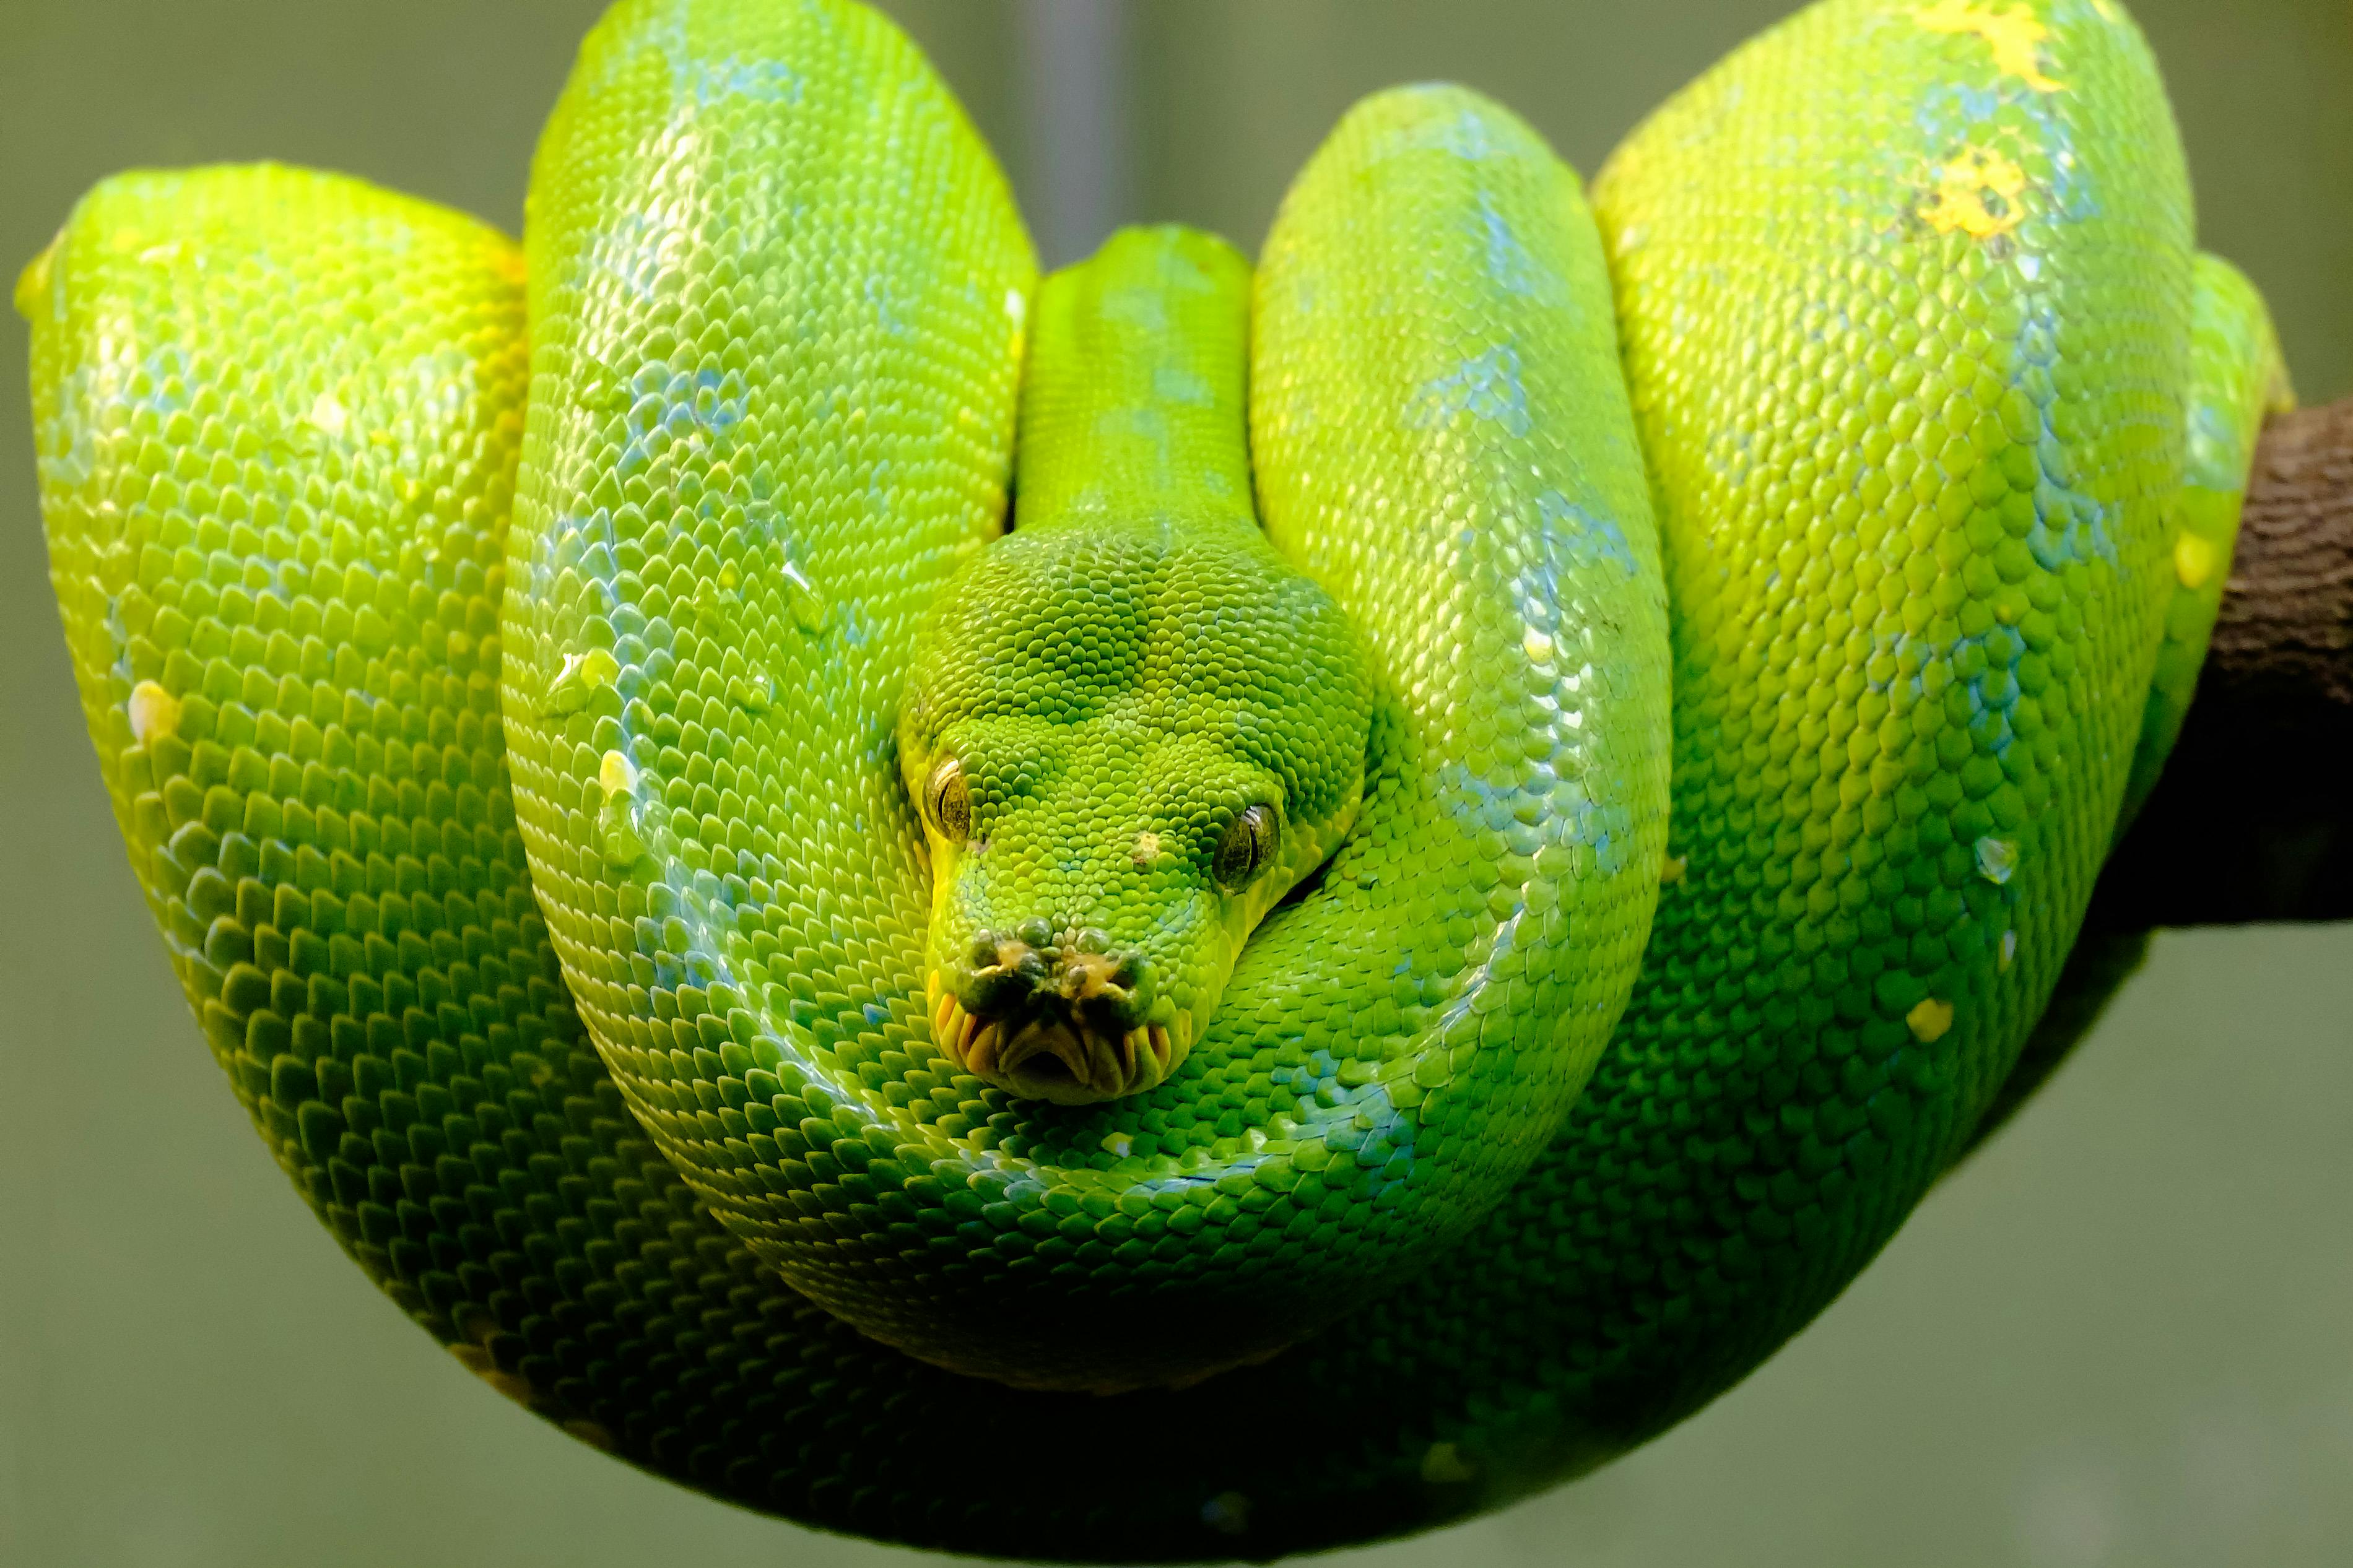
(557, 896)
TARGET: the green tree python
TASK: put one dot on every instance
(1197, 1026)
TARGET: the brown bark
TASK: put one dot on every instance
(2250, 821)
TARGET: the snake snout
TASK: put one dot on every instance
(1007, 974)
(1000, 973)
(1109, 991)
(1054, 1016)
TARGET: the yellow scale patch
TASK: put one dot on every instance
(2193, 561)
(1976, 193)
(616, 773)
(33, 282)
(154, 713)
(1930, 1020)
(2015, 35)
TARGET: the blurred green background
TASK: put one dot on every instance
(2123, 1335)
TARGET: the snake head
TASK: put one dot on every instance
(1127, 743)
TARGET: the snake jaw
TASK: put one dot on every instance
(1055, 1055)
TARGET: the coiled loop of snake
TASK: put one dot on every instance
(1907, 300)
(817, 293)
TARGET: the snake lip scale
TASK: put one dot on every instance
(634, 827)
(1090, 1059)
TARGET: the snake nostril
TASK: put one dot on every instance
(1002, 972)
(1008, 976)
(993, 993)
(1108, 990)
(999, 976)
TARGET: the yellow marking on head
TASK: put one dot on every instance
(1977, 194)
(1672, 869)
(154, 713)
(1147, 848)
(2013, 33)
(2193, 561)
(1929, 1020)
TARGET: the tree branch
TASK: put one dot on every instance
(2253, 819)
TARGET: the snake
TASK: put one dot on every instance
(1182, 909)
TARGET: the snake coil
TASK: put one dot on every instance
(553, 897)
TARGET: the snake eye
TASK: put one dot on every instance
(1243, 852)
(948, 801)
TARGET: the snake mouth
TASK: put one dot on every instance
(1051, 1054)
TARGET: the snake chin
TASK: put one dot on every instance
(1048, 1053)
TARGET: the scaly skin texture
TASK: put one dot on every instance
(1134, 727)
(1906, 308)
(824, 368)
(277, 416)
(2236, 377)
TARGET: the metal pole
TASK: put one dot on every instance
(1080, 159)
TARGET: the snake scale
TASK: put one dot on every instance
(1200, 1027)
